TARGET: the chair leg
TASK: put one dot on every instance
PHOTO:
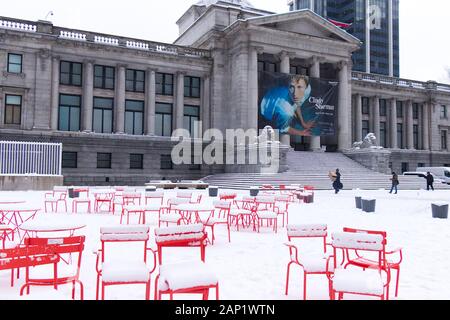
(103, 291)
(397, 283)
(304, 285)
(205, 294)
(147, 290)
(287, 278)
(97, 287)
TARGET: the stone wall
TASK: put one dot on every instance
(374, 159)
(25, 183)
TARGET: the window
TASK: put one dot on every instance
(415, 111)
(365, 105)
(192, 87)
(13, 109)
(444, 139)
(103, 160)
(365, 128)
(383, 107)
(405, 167)
(400, 135)
(190, 121)
(443, 112)
(134, 117)
(298, 70)
(69, 159)
(267, 66)
(416, 136)
(136, 161)
(70, 73)
(383, 137)
(166, 162)
(399, 109)
(102, 120)
(104, 77)
(14, 63)
(163, 119)
(164, 84)
(69, 112)
(420, 165)
(135, 80)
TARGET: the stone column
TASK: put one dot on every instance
(376, 118)
(206, 104)
(344, 108)
(252, 109)
(179, 101)
(88, 95)
(426, 125)
(119, 111)
(358, 118)
(55, 93)
(314, 72)
(285, 67)
(150, 102)
(393, 131)
(409, 125)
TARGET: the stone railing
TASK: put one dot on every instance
(15, 25)
(375, 78)
(103, 39)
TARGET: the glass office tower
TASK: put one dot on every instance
(374, 22)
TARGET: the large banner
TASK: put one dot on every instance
(297, 105)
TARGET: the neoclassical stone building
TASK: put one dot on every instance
(113, 102)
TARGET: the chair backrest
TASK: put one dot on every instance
(309, 188)
(124, 234)
(154, 194)
(26, 256)
(307, 231)
(352, 230)
(222, 208)
(176, 201)
(184, 194)
(59, 246)
(198, 198)
(193, 235)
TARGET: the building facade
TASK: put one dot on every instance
(374, 22)
(113, 102)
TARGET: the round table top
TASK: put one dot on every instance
(46, 226)
(17, 207)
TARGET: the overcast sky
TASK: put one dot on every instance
(424, 25)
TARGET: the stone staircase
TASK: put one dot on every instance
(311, 168)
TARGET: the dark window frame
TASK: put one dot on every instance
(71, 73)
(444, 114)
(11, 63)
(138, 162)
(70, 107)
(164, 162)
(104, 163)
(165, 84)
(134, 81)
(188, 85)
(14, 108)
(444, 140)
(197, 117)
(65, 162)
(103, 109)
(365, 105)
(103, 77)
(134, 117)
(163, 114)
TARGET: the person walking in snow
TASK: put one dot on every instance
(395, 182)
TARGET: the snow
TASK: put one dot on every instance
(358, 281)
(125, 271)
(313, 230)
(186, 275)
(253, 265)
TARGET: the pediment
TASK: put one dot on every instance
(304, 22)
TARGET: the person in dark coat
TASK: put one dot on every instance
(337, 184)
(430, 181)
(395, 182)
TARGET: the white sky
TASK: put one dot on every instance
(424, 45)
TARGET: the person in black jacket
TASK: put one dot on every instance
(430, 181)
(337, 185)
(395, 182)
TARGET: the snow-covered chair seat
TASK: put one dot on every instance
(371, 281)
(189, 277)
(118, 272)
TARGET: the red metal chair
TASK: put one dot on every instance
(54, 200)
(81, 200)
(373, 281)
(149, 196)
(364, 262)
(123, 272)
(5, 232)
(265, 211)
(219, 216)
(282, 207)
(186, 277)
(58, 247)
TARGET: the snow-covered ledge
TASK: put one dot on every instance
(372, 158)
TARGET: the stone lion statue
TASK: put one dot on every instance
(368, 142)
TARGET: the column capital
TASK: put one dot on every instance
(315, 59)
(56, 57)
(89, 61)
(122, 65)
(341, 64)
(181, 73)
(283, 54)
(258, 49)
(152, 69)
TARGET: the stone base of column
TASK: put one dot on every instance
(285, 140)
(315, 144)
